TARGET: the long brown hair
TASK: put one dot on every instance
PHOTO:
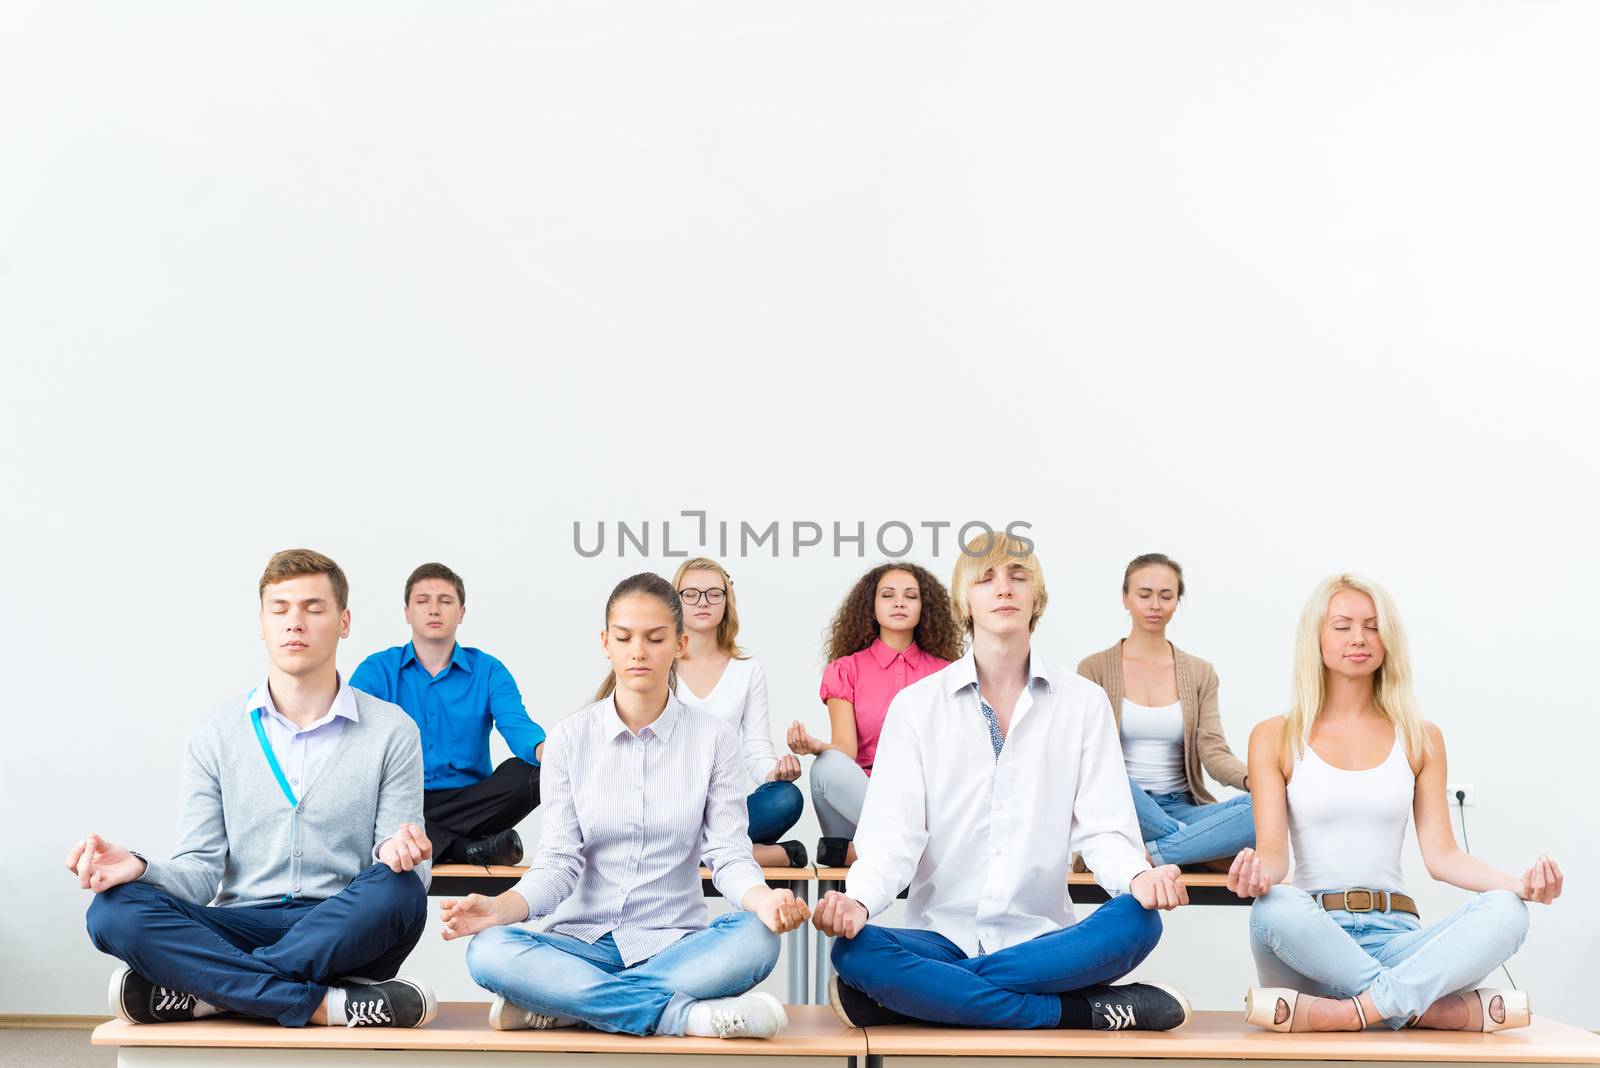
(728, 629)
(855, 624)
(651, 585)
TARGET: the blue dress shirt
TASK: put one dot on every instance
(453, 710)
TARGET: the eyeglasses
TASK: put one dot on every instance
(712, 596)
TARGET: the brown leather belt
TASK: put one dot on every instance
(1360, 899)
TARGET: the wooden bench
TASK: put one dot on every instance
(460, 1037)
(1218, 1039)
(1205, 888)
(458, 880)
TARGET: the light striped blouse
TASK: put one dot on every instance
(627, 820)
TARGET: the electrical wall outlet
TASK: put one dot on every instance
(1463, 788)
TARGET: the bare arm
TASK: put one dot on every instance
(842, 727)
(1436, 836)
(1256, 871)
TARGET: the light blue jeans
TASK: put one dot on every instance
(1178, 831)
(559, 975)
(1406, 966)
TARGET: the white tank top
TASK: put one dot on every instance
(1346, 827)
(1152, 747)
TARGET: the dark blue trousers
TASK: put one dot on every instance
(274, 960)
(925, 975)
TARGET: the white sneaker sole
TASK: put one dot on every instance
(114, 994)
(1188, 1011)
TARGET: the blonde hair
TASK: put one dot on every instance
(994, 550)
(728, 629)
(1391, 688)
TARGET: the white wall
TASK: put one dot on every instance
(1278, 288)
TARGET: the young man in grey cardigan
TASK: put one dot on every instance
(299, 883)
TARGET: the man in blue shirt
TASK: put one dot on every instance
(453, 693)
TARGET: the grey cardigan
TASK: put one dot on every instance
(1203, 740)
(239, 841)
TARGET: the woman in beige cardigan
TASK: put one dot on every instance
(1165, 702)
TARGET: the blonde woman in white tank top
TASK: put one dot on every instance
(1338, 778)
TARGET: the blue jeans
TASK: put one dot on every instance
(1178, 831)
(559, 975)
(774, 808)
(924, 975)
(274, 960)
(1406, 966)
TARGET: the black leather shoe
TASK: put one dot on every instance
(1136, 1007)
(796, 853)
(855, 1009)
(831, 852)
(503, 847)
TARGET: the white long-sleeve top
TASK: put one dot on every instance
(984, 841)
(627, 819)
(740, 698)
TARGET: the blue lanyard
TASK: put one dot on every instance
(272, 759)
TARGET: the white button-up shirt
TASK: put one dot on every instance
(303, 753)
(986, 842)
(627, 819)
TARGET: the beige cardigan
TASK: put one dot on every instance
(1203, 740)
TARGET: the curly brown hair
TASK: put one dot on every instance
(855, 624)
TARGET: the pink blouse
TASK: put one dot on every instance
(869, 680)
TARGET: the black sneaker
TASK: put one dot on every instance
(1136, 1007)
(137, 1000)
(796, 853)
(831, 852)
(855, 1009)
(403, 1001)
(502, 847)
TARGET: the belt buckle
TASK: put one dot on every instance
(1350, 905)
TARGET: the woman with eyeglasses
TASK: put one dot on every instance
(722, 679)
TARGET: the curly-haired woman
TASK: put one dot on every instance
(894, 627)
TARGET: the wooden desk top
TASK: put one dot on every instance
(1077, 878)
(814, 1031)
(507, 871)
(1225, 1036)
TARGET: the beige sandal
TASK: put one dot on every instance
(1262, 1006)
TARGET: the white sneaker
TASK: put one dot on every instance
(505, 1016)
(753, 1015)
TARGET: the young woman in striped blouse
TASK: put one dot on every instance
(637, 789)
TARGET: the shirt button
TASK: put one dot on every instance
(297, 852)
(294, 782)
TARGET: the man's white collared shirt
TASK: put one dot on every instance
(303, 752)
(985, 842)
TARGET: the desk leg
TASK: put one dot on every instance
(823, 943)
(796, 968)
(802, 943)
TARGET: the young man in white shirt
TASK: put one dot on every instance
(990, 773)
